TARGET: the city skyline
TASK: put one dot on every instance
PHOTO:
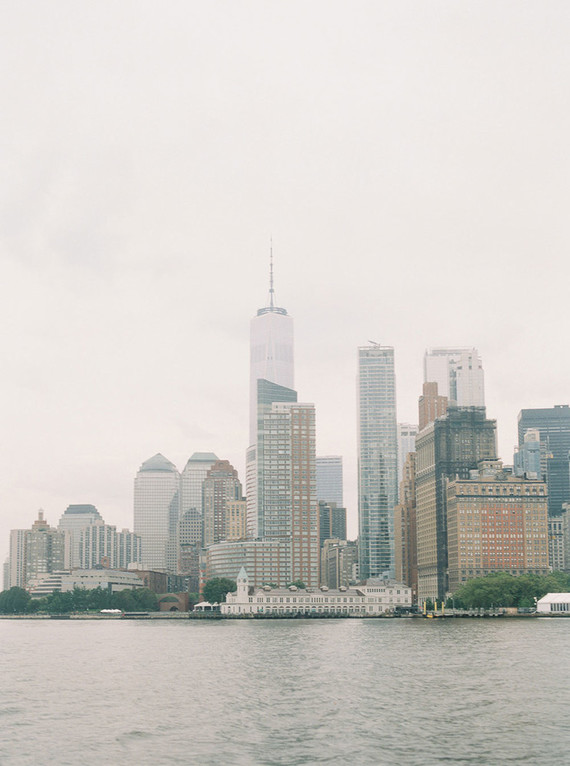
(411, 180)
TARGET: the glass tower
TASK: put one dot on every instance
(377, 460)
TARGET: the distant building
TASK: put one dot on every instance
(267, 560)
(405, 537)
(107, 579)
(431, 405)
(496, 522)
(406, 443)
(372, 598)
(338, 563)
(531, 458)
(74, 519)
(377, 459)
(236, 520)
(332, 522)
(458, 373)
(329, 479)
(220, 486)
(156, 513)
(192, 479)
(449, 447)
(35, 552)
(553, 424)
(101, 544)
(556, 542)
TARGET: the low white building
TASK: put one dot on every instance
(374, 598)
(554, 603)
(108, 579)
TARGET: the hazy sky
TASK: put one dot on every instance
(409, 159)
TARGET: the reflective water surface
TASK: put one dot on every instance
(285, 692)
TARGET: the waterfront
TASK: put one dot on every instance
(284, 692)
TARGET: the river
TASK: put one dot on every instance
(285, 692)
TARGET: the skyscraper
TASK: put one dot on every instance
(74, 519)
(329, 479)
(377, 459)
(431, 405)
(192, 478)
(271, 351)
(553, 424)
(406, 443)
(156, 512)
(458, 373)
(449, 447)
(271, 360)
(286, 485)
(220, 486)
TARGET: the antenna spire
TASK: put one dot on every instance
(271, 290)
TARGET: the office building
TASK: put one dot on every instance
(35, 552)
(339, 560)
(556, 542)
(17, 558)
(431, 405)
(531, 457)
(329, 479)
(192, 478)
(220, 486)
(73, 520)
(496, 522)
(101, 545)
(406, 443)
(449, 447)
(332, 522)
(286, 484)
(458, 373)
(405, 541)
(377, 460)
(236, 520)
(156, 513)
(553, 425)
(268, 561)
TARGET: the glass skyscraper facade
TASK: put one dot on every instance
(377, 460)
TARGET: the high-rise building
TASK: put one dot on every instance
(406, 443)
(329, 479)
(101, 545)
(338, 563)
(556, 542)
(531, 458)
(496, 522)
(458, 373)
(405, 542)
(271, 360)
(220, 486)
(377, 460)
(271, 352)
(73, 520)
(553, 424)
(286, 484)
(449, 447)
(431, 405)
(332, 522)
(192, 478)
(268, 561)
(35, 552)
(156, 513)
(267, 393)
(236, 520)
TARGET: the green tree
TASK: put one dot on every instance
(14, 601)
(504, 590)
(215, 589)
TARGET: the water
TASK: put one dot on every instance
(285, 692)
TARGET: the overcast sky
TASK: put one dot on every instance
(409, 159)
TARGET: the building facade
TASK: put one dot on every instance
(406, 443)
(556, 543)
(431, 405)
(192, 479)
(458, 373)
(156, 513)
(267, 561)
(553, 425)
(339, 560)
(368, 600)
(221, 486)
(450, 446)
(405, 539)
(377, 459)
(329, 479)
(496, 522)
(74, 519)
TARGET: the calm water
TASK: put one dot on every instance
(285, 692)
